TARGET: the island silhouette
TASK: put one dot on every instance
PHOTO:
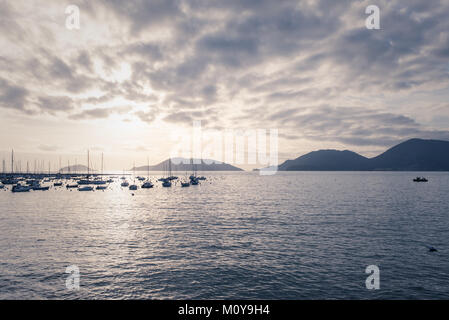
(411, 155)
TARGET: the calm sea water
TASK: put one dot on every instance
(304, 235)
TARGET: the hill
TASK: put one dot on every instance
(411, 155)
(181, 164)
(76, 168)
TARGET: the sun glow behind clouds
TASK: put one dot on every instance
(137, 72)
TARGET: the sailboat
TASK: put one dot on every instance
(170, 176)
(86, 188)
(134, 186)
(20, 188)
(59, 183)
(37, 187)
(185, 183)
(11, 180)
(101, 183)
(193, 178)
(167, 181)
(87, 181)
(124, 183)
(147, 184)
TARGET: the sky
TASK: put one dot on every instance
(136, 74)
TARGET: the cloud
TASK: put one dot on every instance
(147, 117)
(52, 104)
(352, 126)
(84, 60)
(309, 68)
(99, 113)
(141, 14)
(12, 96)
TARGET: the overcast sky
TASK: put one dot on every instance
(137, 72)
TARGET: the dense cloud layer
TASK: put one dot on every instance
(309, 68)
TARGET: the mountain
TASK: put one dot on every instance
(414, 155)
(327, 160)
(182, 164)
(76, 168)
(411, 155)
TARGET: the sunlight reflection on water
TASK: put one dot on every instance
(305, 235)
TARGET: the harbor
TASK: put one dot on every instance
(18, 181)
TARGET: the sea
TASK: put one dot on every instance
(237, 235)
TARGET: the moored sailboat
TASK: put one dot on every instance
(20, 188)
(87, 180)
(134, 186)
(167, 181)
(148, 184)
(86, 188)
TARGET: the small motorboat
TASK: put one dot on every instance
(420, 179)
(71, 186)
(124, 184)
(57, 184)
(133, 187)
(101, 187)
(86, 188)
(185, 184)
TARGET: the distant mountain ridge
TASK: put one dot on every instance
(76, 168)
(182, 164)
(411, 155)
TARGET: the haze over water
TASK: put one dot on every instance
(294, 235)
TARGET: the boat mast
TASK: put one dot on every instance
(169, 167)
(87, 163)
(12, 161)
